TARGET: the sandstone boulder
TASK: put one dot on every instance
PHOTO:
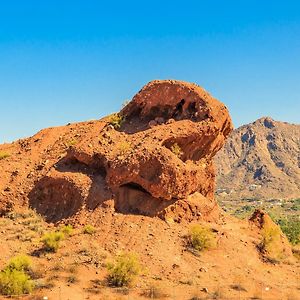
(153, 158)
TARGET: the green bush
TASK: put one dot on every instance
(89, 229)
(201, 238)
(14, 279)
(296, 204)
(67, 229)
(20, 263)
(291, 228)
(52, 240)
(14, 282)
(124, 270)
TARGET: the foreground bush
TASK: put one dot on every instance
(13, 282)
(124, 270)
(52, 240)
(201, 238)
(14, 278)
(20, 263)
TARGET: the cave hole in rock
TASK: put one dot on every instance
(131, 198)
(134, 186)
(178, 109)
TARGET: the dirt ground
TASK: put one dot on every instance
(232, 270)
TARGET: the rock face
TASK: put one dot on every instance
(154, 158)
(260, 161)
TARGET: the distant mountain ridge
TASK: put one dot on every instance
(260, 160)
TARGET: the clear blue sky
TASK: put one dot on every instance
(67, 61)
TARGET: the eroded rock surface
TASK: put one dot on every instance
(158, 162)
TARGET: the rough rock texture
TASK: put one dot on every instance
(260, 161)
(157, 161)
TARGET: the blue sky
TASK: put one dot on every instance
(68, 61)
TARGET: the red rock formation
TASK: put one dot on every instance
(156, 162)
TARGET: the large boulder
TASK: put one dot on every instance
(153, 158)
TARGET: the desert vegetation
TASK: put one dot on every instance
(123, 270)
(175, 148)
(201, 238)
(52, 240)
(116, 120)
(89, 229)
(285, 214)
(67, 230)
(15, 278)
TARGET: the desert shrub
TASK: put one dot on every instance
(271, 243)
(124, 270)
(20, 263)
(14, 278)
(3, 155)
(291, 228)
(201, 238)
(67, 229)
(175, 148)
(14, 282)
(89, 229)
(52, 240)
(116, 120)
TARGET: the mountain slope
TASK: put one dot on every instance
(260, 160)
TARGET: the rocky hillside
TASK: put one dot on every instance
(140, 178)
(260, 160)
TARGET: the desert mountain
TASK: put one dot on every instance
(260, 160)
